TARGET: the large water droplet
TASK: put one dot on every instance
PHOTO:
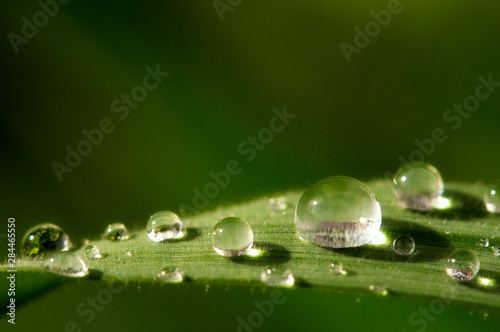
(232, 237)
(116, 232)
(492, 198)
(338, 212)
(403, 245)
(164, 225)
(278, 203)
(42, 239)
(274, 277)
(92, 252)
(171, 275)
(66, 264)
(462, 265)
(417, 186)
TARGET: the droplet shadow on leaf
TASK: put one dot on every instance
(95, 274)
(270, 254)
(463, 206)
(190, 233)
(486, 280)
(429, 245)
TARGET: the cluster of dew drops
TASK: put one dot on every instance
(336, 212)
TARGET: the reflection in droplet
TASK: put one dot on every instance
(338, 212)
(67, 264)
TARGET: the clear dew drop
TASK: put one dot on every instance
(164, 225)
(232, 237)
(492, 198)
(484, 242)
(92, 252)
(337, 268)
(403, 245)
(116, 232)
(338, 212)
(66, 264)
(171, 276)
(277, 278)
(42, 239)
(417, 186)
(128, 254)
(378, 289)
(278, 203)
(462, 265)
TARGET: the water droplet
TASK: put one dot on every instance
(446, 231)
(171, 275)
(492, 198)
(484, 242)
(462, 265)
(278, 203)
(496, 251)
(128, 254)
(164, 225)
(378, 289)
(116, 232)
(66, 264)
(403, 245)
(92, 252)
(337, 268)
(338, 212)
(417, 186)
(232, 237)
(42, 239)
(273, 277)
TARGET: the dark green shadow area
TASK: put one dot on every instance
(29, 285)
(429, 245)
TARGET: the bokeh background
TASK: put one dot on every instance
(226, 76)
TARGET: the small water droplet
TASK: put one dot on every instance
(403, 245)
(492, 198)
(338, 212)
(278, 203)
(446, 231)
(232, 237)
(274, 277)
(337, 268)
(116, 232)
(128, 254)
(171, 275)
(496, 251)
(484, 242)
(164, 225)
(92, 252)
(378, 289)
(417, 186)
(66, 264)
(462, 265)
(42, 239)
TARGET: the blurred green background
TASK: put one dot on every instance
(226, 77)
